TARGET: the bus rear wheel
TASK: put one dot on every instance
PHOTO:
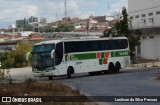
(117, 67)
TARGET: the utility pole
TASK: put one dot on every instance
(56, 16)
(65, 12)
(108, 5)
(87, 27)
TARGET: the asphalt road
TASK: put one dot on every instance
(129, 82)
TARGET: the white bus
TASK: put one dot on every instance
(67, 57)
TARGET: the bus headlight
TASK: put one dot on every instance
(34, 70)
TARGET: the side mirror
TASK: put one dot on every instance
(27, 56)
(52, 53)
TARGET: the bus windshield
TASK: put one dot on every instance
(43, 48)
(41, 56)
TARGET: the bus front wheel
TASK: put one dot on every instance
(50, 77)
(111, 68)
(69, 72)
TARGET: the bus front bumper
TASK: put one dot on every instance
(44, 74)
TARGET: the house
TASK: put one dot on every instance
(34, 37)
(103, 26)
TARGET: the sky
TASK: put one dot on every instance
(12, 10)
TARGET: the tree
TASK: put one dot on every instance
(122, 25)
(16, 58)
(26, 27)
(19, 54)
(65, 28)
(109, 32)
(6, 60)
(123, 30)
(49, 29)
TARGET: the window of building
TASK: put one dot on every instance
(137, 16)
(151, 37)
(144, 37)
(151, 20)
(143, 21)
(158, 12)
(150, 14)
(131, 17)
(143, 15)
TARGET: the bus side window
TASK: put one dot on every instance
(99, 47)
(113, 44)
(94, 45)
(119, 44)
(59, 53)
(66, 44)
(79, 46)
(83, 46)
(106, 45)
(88, 46)
(124, 43)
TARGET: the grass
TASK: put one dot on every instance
(41, 88)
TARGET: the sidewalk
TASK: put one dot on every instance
(149, 64)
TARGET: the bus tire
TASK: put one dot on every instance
(70, 71)
(117, 67)
(111, 68)
(50, 77)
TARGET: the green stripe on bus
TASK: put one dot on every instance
(119, 53)
(72, 57)
(102, 54)
(100, 61)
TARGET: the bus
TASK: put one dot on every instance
(70, 56)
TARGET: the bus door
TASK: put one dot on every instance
(59, 61)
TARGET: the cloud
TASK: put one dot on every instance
(32, 10)
(116, 7)
(12, 10)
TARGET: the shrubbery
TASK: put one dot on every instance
(16, 58)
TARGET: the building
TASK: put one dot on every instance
(100, 18)
(33, 19)
(92, 25)
(145, 15)
(22, 22)
(74, 20)
(43, 20)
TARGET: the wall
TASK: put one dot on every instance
(150, 48)
(139, 7)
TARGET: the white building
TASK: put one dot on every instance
(109, 18)
(12, 26)
(43, 20)
(145, 15)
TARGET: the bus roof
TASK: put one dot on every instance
(77, 39)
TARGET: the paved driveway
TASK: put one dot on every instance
(129, 82)
(132, 82)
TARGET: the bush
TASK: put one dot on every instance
(16, 58)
